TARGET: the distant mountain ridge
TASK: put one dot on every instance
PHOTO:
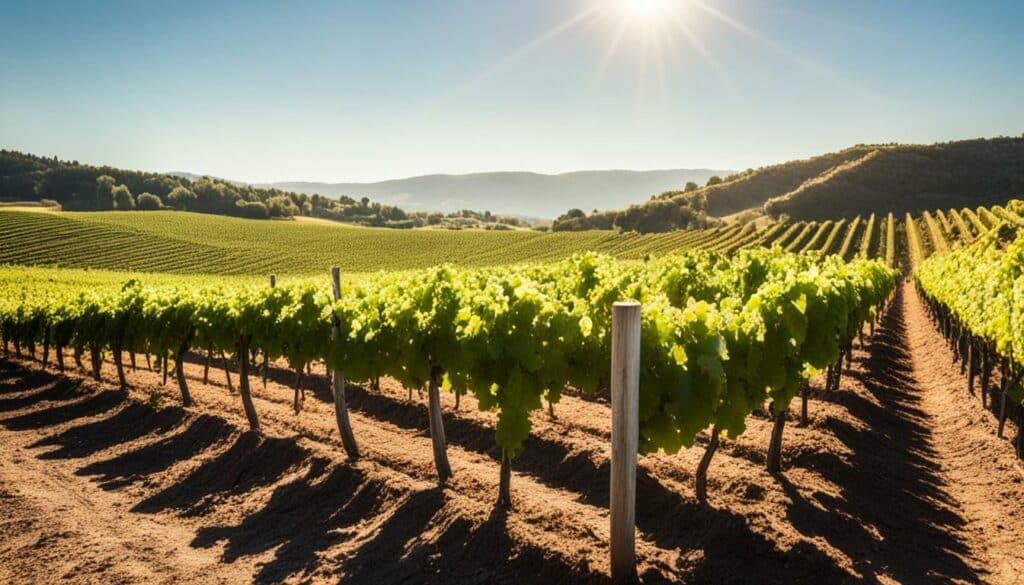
(514, 193)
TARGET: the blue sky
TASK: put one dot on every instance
(335, 91)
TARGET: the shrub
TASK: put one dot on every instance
(149, 202)
(123, 198)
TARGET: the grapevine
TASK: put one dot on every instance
(721, 335)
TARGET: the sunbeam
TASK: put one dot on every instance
(808, 65)
(698, 45)
(660, 33)
(528, 48)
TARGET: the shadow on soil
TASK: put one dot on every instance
(299, 506)
(890, 481)
(294, 504)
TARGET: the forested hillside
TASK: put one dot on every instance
(911, 178)
(859, 180)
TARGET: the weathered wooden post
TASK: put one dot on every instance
(625, 387)
(348, 440)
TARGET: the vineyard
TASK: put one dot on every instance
(513, 336)
(973, 296)
(512, 293)
(189, 243)
(464, 377)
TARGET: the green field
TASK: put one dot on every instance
(169, 241)
(191, 243)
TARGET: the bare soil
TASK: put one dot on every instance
(897, 478)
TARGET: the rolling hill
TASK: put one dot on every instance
(859, 180)
(910, 178)
(196, 243)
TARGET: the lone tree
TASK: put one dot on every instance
(573, 213)
(690, 186)
(182, 198)
(149, 202)
(714, 180)
(123, 198)
(105, 192)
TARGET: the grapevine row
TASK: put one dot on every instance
(721, 335)
(973, 294)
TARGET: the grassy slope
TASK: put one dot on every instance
(194, 243)
(867, 179)
(911, 178)
(752, 189)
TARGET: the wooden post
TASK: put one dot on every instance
(348, 440)
(273, 280)
(625, 390)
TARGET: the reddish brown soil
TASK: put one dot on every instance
(898, 478)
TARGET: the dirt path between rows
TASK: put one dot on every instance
(980, 471)
(898, 477)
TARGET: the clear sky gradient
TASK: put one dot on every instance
(347, 90)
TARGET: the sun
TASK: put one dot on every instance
(643, 11)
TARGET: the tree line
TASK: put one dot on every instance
(81, 187)
(686, 209)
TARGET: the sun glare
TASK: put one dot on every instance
(644, 11)
(659, 35)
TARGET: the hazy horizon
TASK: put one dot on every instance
(325, 92)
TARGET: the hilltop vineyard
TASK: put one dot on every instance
(188, 243)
